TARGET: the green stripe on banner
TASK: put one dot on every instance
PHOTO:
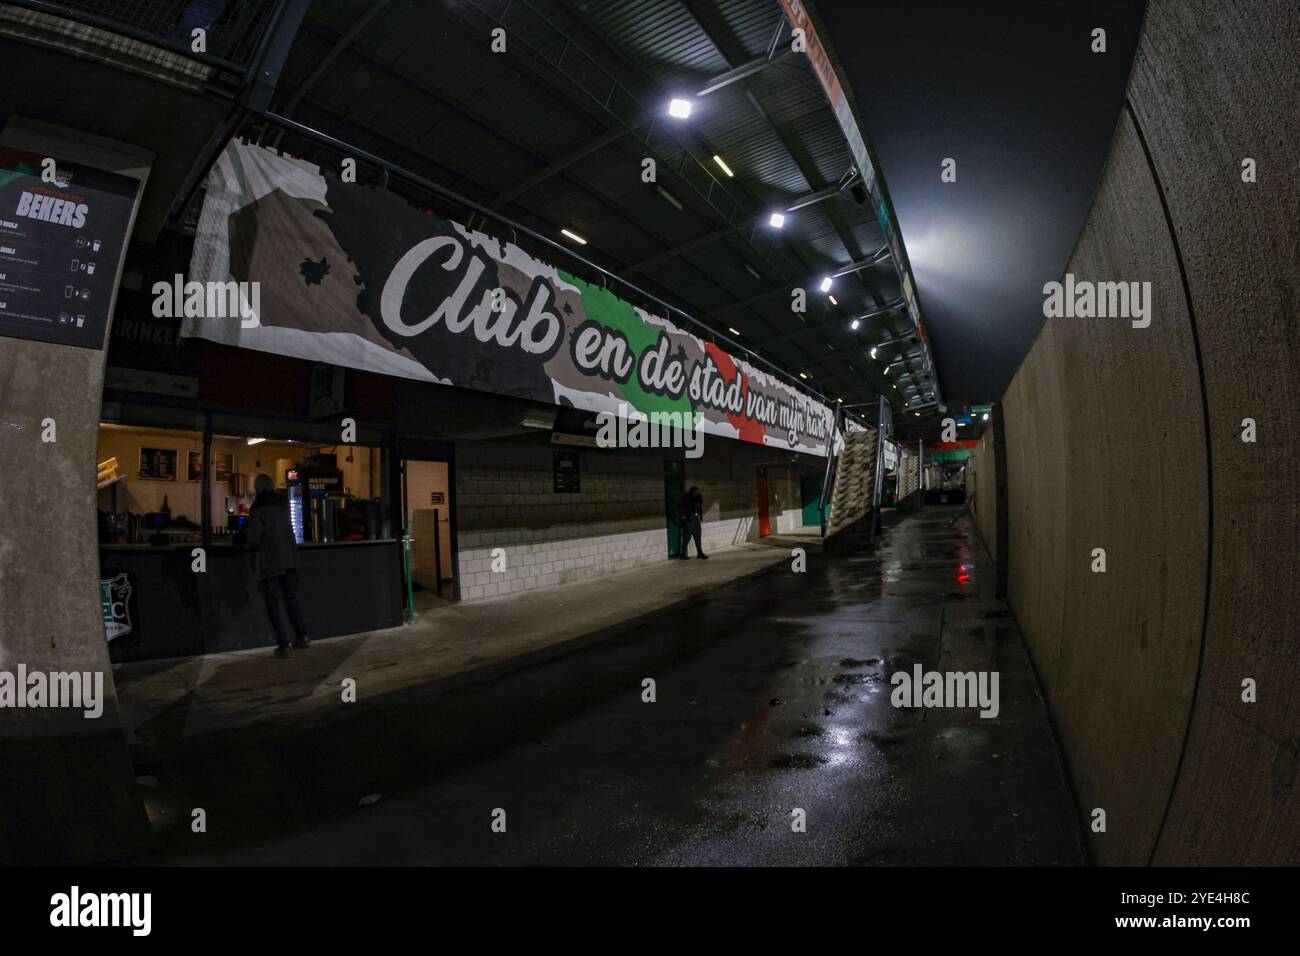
(605, 308)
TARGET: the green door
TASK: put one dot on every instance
(810, 493)
(673, 492)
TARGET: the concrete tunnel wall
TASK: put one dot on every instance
(981, 490)
(1130, 439)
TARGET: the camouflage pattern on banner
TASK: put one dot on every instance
(356, 276)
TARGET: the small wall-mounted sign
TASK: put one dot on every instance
(158, 464)
(567, 479)
(117, 599)
(437, 498)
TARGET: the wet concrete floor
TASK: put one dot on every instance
(772, 697)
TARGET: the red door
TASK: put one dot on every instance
(764, 522)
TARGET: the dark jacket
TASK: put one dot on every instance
(690, 506)
(271, 535)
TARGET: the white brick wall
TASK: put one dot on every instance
(505, 499)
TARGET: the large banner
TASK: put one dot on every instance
(353, 275)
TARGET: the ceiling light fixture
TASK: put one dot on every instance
(574, 236)
(873, 351)
(723, 166)
(777, 220)
(827, 282)
(679, 108)
(733, 331)
(258, 441)
(803, 375)
(669, 198)
(834, 301)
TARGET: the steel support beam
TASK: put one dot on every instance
(559, 165)
(738, 73)
(340, 45)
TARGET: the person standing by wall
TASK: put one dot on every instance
(275, 560)
(691, 510)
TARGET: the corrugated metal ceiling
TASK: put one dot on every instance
(588, 81)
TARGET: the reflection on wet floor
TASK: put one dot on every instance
(772, 697)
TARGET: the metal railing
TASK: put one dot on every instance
(832, 463)
(884, 431)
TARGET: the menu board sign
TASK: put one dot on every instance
(158, 464)
(567, 478)
(221, 466)
(62, 229)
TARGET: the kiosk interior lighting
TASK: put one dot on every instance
(827, 282)
(679, 108)
(574, 236)
(777, 220)
(723, 166)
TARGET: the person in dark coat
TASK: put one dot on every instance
(275, 559)
(691, 511)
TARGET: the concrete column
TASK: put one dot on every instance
(67, 790)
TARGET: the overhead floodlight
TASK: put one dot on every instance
(723, 166)
(777, 220)
(827, 282)
(854, 325)
(679, 108)
(574, 236)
